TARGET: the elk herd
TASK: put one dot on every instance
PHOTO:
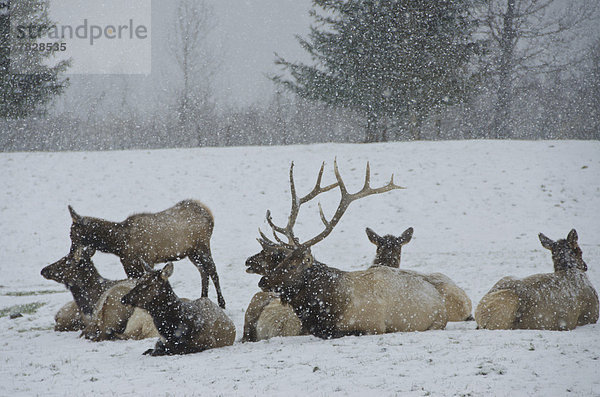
(298, 294)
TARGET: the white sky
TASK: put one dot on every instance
(247, 35)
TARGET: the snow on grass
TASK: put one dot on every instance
(476, 208)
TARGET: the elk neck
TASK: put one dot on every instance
(166, 310)
(391, 261)
(106, 236)
(86, 296)
(316, 302)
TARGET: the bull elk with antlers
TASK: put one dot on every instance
(331, 302)
(183, 230)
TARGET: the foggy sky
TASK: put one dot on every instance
(246, 35)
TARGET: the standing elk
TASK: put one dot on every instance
(183, 230)
(96, 308)
(184, 327)
(333, 303)
(552, 301)
(389, 250)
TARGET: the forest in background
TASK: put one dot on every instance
(536, 75)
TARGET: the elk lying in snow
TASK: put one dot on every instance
(332, 303)
(77, 272)
(184, 327)
(183, 230)
(113, 320)
(389, 249)
(96, 308)
(553, 301)
(266, 318)
(69, 318)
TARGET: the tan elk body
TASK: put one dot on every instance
(330, 302)
(552, 301)
(184, 326)
(113, 320)
(266, 318)
(183, 230)
(69, 318)
(96, 308)
(457, 302)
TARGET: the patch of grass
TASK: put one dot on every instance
(31, 293)
(49, 328)
(28, 308)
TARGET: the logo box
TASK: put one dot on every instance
(107, 37)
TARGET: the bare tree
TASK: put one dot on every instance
(531, 37)
(194, 21)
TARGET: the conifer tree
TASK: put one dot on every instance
(387, 59)
(27, 82)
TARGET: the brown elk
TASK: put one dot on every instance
(332, 303)
(553, 301)
(77, 272)
(184, 327)
(389, 250)
(183, 230)
(96, 308)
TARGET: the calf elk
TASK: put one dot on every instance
(183, 230)
(389, 250)
(332, 303)
(184, 327)
(96, 308)
(553, 301)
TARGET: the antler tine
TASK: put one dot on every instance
(295, 207)
(367, 177)
(345, 200)
(264, 238)
(318, 189)
(286, 231)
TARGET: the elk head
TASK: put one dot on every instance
(565, 252)
(267, 259)
(72, 270)
(150, 288)
(389, 248)
(286, 277)
(79, 229)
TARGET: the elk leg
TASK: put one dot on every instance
(133, 268)
(204, 277)
(195, 258)
(205, 264)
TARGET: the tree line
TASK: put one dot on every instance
(379, 71)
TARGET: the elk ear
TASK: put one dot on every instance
(167, 271)
(572, 237)
(406, 236)
(74, 215)
(546, 242)
(373, 237)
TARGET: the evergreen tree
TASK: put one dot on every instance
(27, 83)
(387, 59)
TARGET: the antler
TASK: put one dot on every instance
(345, 200)
(288, 231)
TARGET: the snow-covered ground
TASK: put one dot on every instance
(476, 207)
